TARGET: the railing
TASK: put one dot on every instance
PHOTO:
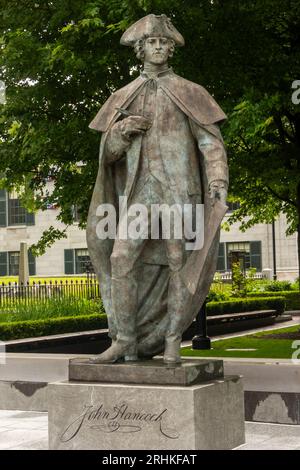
(12, 294)
(227, 277)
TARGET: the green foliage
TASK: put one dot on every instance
(276, 286)
(52, 308)
(47, 239)
(264, 158)
(243, 282)
(258, 285)
(214, 296)
(263, 130)
(218, 290)
(61, 60)
(85, 315)
(247, 305)
(51, 326)
(296, 284)
(292, 298)
(239, 285)
(250, 280)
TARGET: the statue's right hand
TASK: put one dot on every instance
(121, 135)
(134, 125)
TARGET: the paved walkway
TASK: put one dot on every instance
(28, 430)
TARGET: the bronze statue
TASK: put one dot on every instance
(160, 144)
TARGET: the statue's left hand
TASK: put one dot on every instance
(218, 191)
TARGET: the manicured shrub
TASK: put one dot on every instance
(278, 286)
(292, 298)
(51, 326)
(214, 296)
(246, 305)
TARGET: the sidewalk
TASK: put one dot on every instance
(28, 430)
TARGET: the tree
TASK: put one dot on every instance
(61, 59)
(263, 132)
(265, 163)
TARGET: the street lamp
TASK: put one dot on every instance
(201, 341)
(274, 251)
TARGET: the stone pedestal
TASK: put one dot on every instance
(191, 412)
(153, 372)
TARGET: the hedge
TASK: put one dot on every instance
(54, 326)
(292, 298)
(246, 305)
(51, 326)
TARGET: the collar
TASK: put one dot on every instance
(157, 75)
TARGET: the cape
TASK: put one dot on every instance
(192, 99)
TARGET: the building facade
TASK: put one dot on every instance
(253, 248)
(66, 256)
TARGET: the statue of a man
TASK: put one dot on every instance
(160, 145)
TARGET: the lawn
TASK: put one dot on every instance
(259, 347)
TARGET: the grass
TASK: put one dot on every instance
(269, 348)
(53, 308)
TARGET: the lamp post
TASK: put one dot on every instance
(274, 251)
(201, 341)
(90, 277)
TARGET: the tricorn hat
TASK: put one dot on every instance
(151, 26)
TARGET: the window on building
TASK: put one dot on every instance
(238, 252)
(13, 263)
(12, 212)
(9, 263)
(248, 254)
(232, 206)
(16, 213)
(75, 261)
(221, 265)
(81, 258)
(76, 214)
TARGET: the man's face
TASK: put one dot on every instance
(156, 50)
